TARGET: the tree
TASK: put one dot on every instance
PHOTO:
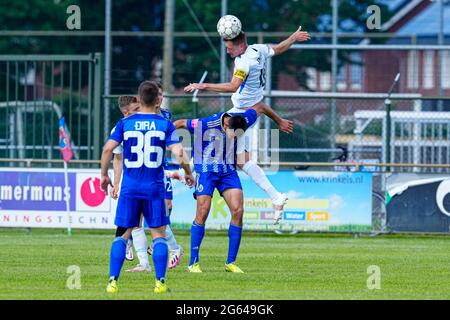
(272, 16)
(131, 56)
(134, 57)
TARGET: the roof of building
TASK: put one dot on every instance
(394, 4)
(426, 23)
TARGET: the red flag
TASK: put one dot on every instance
(64, 142)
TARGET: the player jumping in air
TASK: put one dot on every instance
(247, 85)
(214, 155)
(145, 136)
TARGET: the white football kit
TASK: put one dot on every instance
(251, 68)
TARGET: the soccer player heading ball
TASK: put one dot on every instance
(217, 134)
(247, 85)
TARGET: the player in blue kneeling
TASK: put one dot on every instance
(145, 136)
(214, 153)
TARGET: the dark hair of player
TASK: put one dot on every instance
(237, 122)
(148, 92)
(125, 101)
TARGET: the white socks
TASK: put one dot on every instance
(141, 245)
(171, 242)
(257, 174)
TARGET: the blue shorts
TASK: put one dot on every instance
(206, 182)
(168, 186)
(129, 210)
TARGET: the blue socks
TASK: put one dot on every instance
(234, 235)
(197, 234)
(117, 257)
(160, 255)
(118, 251)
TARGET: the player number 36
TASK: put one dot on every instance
(143, 149)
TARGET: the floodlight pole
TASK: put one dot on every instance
(334, 71)
(388, 103)
(107, 87)
(268, 101)
(223, 56)
(168, 47)
(440, 54)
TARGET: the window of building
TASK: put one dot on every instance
(428, 69)
(311, 82)
(445, 73)
(342, 78)
(325, 81)
(413, 70)
(356, 71)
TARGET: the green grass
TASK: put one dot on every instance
(305, 266)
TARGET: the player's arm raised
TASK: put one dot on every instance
(108, 148)
(284, 124)
(182, 158)
(231, 86)
(297, 36)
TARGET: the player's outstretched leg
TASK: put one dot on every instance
(117, 257)
(140, 244)
(257, 174)
(160, 255)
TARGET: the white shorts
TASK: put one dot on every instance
(245, 142)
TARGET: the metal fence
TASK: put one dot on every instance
(35, 91)
(418, 136)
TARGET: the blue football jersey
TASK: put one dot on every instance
(212, 150)
(166, 114)
(145, 138)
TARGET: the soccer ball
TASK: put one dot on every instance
(229, 27)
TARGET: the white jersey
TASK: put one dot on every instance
(251, 68)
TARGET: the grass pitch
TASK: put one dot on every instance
(304, 266)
